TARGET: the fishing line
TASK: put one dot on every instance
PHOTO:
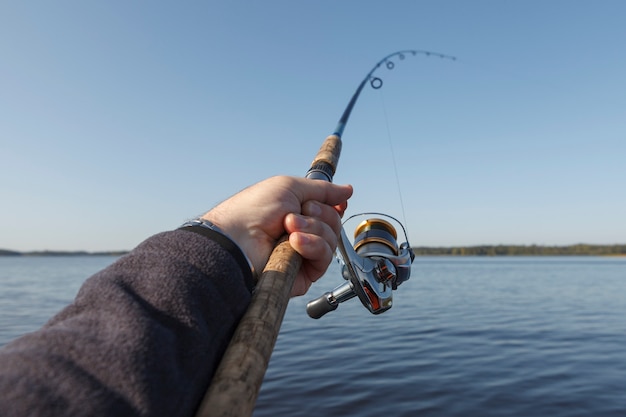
(393, 156)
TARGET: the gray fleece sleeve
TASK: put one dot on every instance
(142, 338)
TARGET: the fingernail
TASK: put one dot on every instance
(313, 209)
(299, 221)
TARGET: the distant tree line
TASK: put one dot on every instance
(520, 250)
(6, 252)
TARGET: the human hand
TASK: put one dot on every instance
(308, 210)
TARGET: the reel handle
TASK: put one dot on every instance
(320, 306)
(330, 301)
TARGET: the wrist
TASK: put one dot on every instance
(202, 224)
(248, 236)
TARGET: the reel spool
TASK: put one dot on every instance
(373, 266)
(375, 235)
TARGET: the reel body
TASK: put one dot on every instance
(373, 266)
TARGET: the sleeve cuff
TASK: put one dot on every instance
(231, 247)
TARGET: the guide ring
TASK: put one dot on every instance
(376, 83)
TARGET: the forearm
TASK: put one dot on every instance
(143, 336)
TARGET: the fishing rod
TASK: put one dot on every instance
(374, 266)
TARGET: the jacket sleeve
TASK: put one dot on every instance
(143, 336)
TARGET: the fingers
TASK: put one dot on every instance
(313, 234)
(311, 237)
(322, 191)
(317, 220)
(341, 208)
(316, 254)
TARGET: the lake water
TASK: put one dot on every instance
(466, 337)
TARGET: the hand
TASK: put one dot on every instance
(308, 210)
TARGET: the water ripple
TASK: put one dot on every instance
(471, 337)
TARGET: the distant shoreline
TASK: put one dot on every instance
(580, 249)
(6, 252)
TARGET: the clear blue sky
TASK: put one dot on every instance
(122, 119)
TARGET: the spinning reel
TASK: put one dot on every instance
(373, 266)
